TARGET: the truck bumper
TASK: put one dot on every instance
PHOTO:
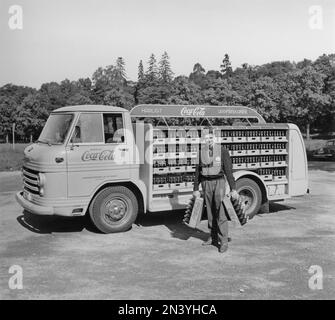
(33, 208)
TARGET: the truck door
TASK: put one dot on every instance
(96, 153)
(298, 174)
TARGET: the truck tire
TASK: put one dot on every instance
(114, 209)
(251, 195)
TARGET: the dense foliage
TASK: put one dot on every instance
(282, 91)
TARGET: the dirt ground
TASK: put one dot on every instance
(160, 258)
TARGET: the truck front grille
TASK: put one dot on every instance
(30, 180)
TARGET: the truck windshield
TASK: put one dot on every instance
(56, 129)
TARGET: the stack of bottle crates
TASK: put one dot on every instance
(175, 154)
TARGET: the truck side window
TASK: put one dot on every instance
(113, 128)
(88, 129)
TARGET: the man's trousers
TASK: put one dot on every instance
(214, 191)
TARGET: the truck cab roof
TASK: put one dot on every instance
(90, 108)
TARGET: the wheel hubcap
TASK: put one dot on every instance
(116, 209)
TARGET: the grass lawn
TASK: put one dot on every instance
(10, 159)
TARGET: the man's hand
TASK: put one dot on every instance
(234, 194)
(196, 194)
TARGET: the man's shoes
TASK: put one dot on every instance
(223, 248)
(208, 242)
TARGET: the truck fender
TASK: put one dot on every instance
(254, 176)
(139, 184)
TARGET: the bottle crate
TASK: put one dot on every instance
(178, 185)
(267, 177)
(267, 151)
(239, 165)
(267, 139)
(177, 169)
(253, 152)
(253, 139)
(279, 163)
(163, 186)
(238, 152)
(190, 168)
(266, 164)
(253, 165)
(279, 178)
(280, 151)
(160, 170)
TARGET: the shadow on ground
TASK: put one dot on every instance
(50, 224)
(172, 220)
(277, 207)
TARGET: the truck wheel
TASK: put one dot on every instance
(251, 195)
(114, 209)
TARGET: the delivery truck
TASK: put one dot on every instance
(114, 164)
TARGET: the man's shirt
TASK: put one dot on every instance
(226, 170)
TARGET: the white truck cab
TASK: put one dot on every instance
(113, 164)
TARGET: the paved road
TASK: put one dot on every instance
(160, 258)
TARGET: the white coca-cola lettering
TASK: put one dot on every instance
(102, 156)
(195, 112)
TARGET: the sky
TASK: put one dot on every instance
(70, 39)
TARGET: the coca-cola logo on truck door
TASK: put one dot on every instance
(101, 156)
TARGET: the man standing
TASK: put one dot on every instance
(214, 165)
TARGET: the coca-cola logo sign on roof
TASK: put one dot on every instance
(193, 111)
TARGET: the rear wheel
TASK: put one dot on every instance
(114, 209)
(250, 194)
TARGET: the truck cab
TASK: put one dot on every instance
(81, 151)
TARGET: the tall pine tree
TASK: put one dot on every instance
(165, 72)
(152, 74)
(140, 74)
(121, 69)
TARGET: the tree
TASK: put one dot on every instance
(107, 77)
(303, 64)
(118, 97)
(152, 73)
(274, 69)
(165, 72)
(212, 75)
(140, 74)
(220, 92)
(8, 114)
(32, 114)
(263, 97)
(198, 75)
(154, 94)
(120, 69)
(226, 68)
(185, 92)
(305, 100)
(55, 94)
(18, 93)
(78, 99)
(198, 69)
